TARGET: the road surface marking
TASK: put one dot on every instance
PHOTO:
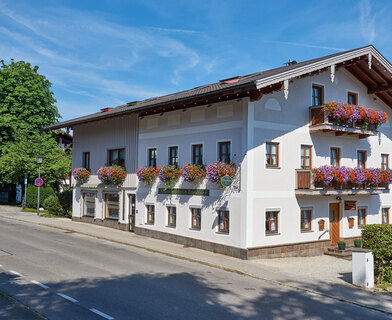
(1, 265)
(39, 284)
(16, 273)
(101, 314)
(67, 297)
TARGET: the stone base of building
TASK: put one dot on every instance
(110, 223)
(304, 249)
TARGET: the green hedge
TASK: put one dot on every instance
(31, 195)
(52, 204)
(65, 199)
(378, 238)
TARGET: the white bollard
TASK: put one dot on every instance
(363, 268)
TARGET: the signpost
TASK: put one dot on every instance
(38, 182)
(25, 191)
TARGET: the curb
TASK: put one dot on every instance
(209, 264)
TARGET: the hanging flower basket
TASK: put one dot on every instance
(112, 174)
(217, 170)
(169, 175)
(81, 175)
(147, 174)
(192, 172)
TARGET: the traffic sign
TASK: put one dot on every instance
(38, 182)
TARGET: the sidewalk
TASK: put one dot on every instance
(10, 309)
(293, 272)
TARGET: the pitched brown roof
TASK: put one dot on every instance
(249, 80)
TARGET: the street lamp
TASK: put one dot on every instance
(39, 161)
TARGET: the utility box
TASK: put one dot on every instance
(363, 268)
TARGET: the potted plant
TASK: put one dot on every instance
(357, 243)
(219, 169)
(112, 174)
(147, 174)
(193, 172)
(81, 175)
(169, 175)
(341, 245)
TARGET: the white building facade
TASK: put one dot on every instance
(264, 123)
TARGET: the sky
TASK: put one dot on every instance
(104, 53)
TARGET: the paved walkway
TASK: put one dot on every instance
(325, 276)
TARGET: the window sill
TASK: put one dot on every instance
(149, 223)
(195, 229)
(268, 234)
(173, 227)
(272, 167)
(222, 232)
(307, 231)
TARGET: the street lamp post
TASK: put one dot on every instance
(39, 161)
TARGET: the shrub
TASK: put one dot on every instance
(52, 204)
(378, 238)
(31, 195)
(147, 174)
(65, 199)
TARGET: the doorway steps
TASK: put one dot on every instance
(342, 254)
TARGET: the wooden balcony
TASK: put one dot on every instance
(306, 187)
(319, 122)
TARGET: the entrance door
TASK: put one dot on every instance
(132, 211)
(334, 220)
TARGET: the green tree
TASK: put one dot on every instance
(20, 157)
(26, 101)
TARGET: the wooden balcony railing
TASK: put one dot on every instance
(319, 122)
(305, 186)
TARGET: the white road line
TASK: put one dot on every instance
(101, 314)
(1, 265)
(16, 273)
(67, 297)
(39, 284)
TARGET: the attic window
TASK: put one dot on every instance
(231, 80)
(106, 109)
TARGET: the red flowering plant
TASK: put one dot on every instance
(147, 174)
(193, 172)
(372, 177)
(385, 176)
(350, 114)
(81, 175)
(169, 174)
(112, 174)
(218, 169)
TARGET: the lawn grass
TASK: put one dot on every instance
(33, 210)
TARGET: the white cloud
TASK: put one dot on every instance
(367, 21)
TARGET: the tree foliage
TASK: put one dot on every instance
(20, 158)
(26, 101)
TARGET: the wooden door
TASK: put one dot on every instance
(334, 223)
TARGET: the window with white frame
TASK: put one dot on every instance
(171, 216)
(362, 212)
(89, 204)
(306, 219)
(196, 218)
(271, 221)
(112, 205)
(223, 221)
(150, 213)
(385, 215)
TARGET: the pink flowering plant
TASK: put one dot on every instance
(218, 169)
(351, 114)
(81, 175)
(358, 177)
(169, 175)
(147, 174)
(112, 174)
(193, 172)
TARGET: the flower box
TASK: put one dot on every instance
(147, 174)
(192, 172)
(169, 175)
(217, 170)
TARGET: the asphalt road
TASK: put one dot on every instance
(66, 275)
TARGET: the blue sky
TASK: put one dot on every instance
(105, 53)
